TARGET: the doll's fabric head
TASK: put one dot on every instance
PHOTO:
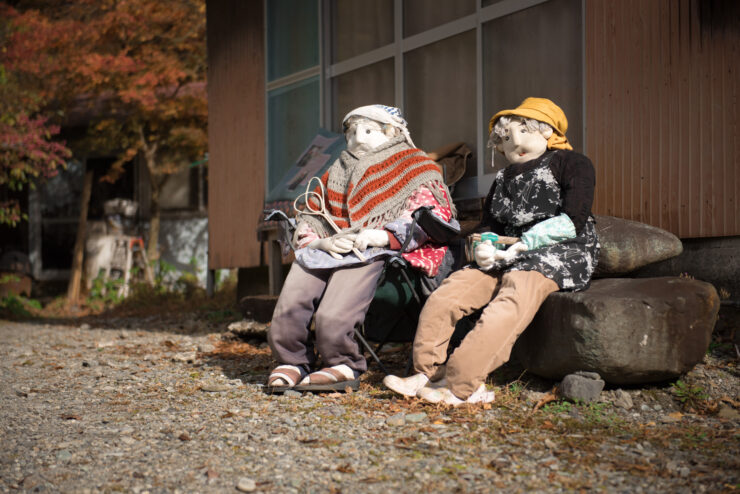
(520, 139)
(367, 127)
(551, 124)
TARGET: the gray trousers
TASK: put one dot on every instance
(338, 299)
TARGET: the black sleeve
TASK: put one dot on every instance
(577, 178)
(488, 223)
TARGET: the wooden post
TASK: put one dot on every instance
(73, 289)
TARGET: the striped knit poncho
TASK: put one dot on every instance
(371, 191)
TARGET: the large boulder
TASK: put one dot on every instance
(629, 331)
(628, 245)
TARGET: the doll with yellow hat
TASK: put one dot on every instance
(543, 198)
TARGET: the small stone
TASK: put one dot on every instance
(396, 420)
(206, 348)
(622, 399)
(578, 387)
(64, 455)
(550, 444)
(726, 412)
(214, 388)
(413, 418)
(242, 325)
(128, 440)
(185, 357)
(645, 408)
(684, 472)
(588, 375)
(291, 393)
(246, 485)
(336, 477)
(657, 408)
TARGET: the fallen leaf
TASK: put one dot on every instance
(547, 425)
(405, 440)
(211, 474)
(184, 436)
(348, 390)
(346, 468)
(487, 406)
(227, 415)
(552, 395)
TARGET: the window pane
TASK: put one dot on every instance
(535, 52)
(440, 94)
(292, 121)
(292, 36)
(359, 26)
(420, 15)
(366, 86)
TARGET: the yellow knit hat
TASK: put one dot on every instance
(543, 110)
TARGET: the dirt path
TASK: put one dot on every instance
(142, 408)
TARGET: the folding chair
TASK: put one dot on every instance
(399, 298)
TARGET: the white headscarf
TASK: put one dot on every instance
(385, 115)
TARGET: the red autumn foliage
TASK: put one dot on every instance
(133, 69)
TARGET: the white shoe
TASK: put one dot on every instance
(407, 386)
(444, 395)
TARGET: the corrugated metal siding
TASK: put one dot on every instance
(236, 131)
(662, 91)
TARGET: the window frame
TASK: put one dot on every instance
(468, 188)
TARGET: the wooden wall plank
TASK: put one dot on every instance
(662, 88)
(236, 131)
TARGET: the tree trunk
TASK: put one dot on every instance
(73, 289)
(152, 250)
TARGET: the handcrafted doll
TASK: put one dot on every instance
(368, 196)
(543, 198)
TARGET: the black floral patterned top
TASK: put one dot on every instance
(524, 194)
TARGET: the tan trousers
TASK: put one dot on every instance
(511, 301)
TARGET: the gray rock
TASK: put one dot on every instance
(246, 485)
(628, 330)
(291, 393)
(622, 399)
(185, 357)
(588, 375)
(214, 388)
(579, 388)
(396, 420)
(413, 418)
(726, 412)
(629, 245)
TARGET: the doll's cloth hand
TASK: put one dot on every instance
(511, 252)
(336, 245)
(485, 255)
(549, 232)
(371, 238)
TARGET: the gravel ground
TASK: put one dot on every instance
(148, 406)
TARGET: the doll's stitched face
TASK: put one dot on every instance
(363, 135)
(520, 144)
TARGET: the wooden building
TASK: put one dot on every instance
(650, 89)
